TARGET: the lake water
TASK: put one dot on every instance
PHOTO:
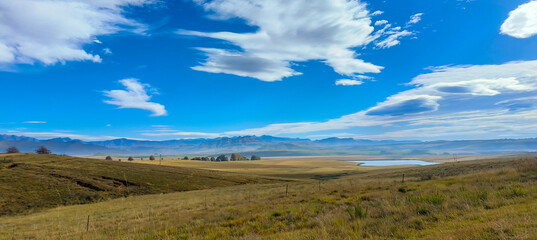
(384, 163)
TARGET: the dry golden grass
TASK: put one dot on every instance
(295, 168)
(473, 200)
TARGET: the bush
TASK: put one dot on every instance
(130, 159)
(152, 158)
(12, 150)
(185, 158)
(255, 157)
(42, 150)
(108, 158)
(222, 158)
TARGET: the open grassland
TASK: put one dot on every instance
(294, 167)
(31, 182)
(488, 199)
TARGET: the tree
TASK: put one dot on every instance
(213, 159)
(237, 157)
(222, 158)
(151, 157)
(205, 159)
(12, 150)
(108, 158)
(255, 157)
(42, 150)
(131, 159)
(185, 158)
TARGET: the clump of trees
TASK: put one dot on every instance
(12, 150)
(222, 158)
(237, 157)
(152, 158)
(108, 158)
(42, 150)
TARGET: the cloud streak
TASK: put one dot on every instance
(491, 100)
(327, 31)
(134, 97)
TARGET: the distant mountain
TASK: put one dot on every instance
(73, 147)
(17, 138)
(269, 146)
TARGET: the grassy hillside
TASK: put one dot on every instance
(30, 182)
(489, 199)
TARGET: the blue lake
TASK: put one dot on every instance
(384, 163)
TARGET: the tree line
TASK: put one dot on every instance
(220, 158)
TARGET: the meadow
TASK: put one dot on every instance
(485, 199)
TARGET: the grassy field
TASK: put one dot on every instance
(295, 168)
(31, 182)
(487, 199)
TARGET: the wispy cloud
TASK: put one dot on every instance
(35, 122)
(134, 97)
(416, 18)
(522, 22)
(51, 31)
(329, 31)
(490, 100)
(348, 82)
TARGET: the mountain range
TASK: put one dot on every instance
(269, 146)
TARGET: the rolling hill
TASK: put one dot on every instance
(31, 182)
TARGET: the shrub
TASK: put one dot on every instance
(108, 158)
(42, 150)
(130, 159)
(185, 158)
(12, 150)
(255, 157)
(357, 212)
(152, 158)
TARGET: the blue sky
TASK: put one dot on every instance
(150, 69)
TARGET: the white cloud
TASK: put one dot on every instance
(348, 82)
(381, 22)
(376, 13)
(522, 22)
(35, 122)
(107, 51)
(303, 30)
(416, 18)
(135, 97)
(393, 38)
(479, 101)
(52, 31)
